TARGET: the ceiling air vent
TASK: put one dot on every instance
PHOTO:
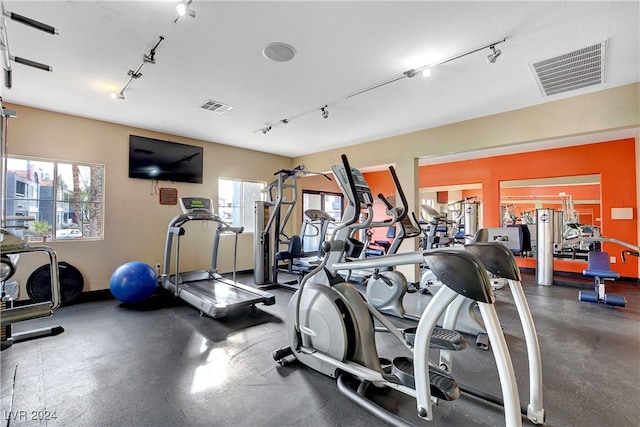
(573, 70)
(216, 106)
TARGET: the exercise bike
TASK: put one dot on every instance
(330, 327)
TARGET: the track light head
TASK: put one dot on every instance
(117, 95)
(325, 112)
(149, 58)
(265, 130)
(410, 73)
(494, 55)
(183, 9)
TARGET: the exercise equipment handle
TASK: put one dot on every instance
(11, 244)
(403, 199)
(629, 252)
(390, 210)
(385, 201)
(354, 190)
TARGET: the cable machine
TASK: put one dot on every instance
(271, 218)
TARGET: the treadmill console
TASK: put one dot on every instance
(197, 207)
(362, 188)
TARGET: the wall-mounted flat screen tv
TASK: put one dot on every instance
(164, 160)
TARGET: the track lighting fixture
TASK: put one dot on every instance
(415, 71)
(425, 70)
(410, 73)
(494, 55)
(183, 9)
(324, 111)
(118, 95)
(7, 58)
(147, 58)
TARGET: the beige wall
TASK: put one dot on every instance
(135, 223)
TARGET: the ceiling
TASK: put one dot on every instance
(342, 47)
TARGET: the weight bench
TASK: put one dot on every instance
(599, 268)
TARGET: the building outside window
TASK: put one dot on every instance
(55, 200)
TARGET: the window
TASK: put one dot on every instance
(21, 189)
(236, 200)
(48, 199)
(330, 203)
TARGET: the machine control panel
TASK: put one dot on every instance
(197, 207)
(362, 188)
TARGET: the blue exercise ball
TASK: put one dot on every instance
(133, 282)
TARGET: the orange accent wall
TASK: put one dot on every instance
(613, 160)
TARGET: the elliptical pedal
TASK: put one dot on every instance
(441, 339)
(443, 386)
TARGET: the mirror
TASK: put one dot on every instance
(442, 212)
(576, 198)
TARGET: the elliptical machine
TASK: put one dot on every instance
(386, 289)
(330, 327)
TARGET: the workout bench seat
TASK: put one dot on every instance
(599, 268)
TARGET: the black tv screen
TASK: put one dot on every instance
(164, 161)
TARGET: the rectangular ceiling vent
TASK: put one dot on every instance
(574, 70)
(215, 106)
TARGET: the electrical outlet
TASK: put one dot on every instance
(612, 260)
(158, 266)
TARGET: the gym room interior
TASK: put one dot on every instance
(398, 113)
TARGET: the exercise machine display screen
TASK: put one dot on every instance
(361, 184)
(196, 205)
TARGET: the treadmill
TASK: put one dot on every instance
(206, 290)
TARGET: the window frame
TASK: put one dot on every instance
(51, 214)
(323, 194)
(248, 228)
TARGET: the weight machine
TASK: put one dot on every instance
(11, 247)
(271, 218)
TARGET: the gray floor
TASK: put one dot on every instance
(164, 365)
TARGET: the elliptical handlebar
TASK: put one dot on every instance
(403, 198)
(629, 252)
(353, 188)
(391, 210)
(385, 201)
(397, 214)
